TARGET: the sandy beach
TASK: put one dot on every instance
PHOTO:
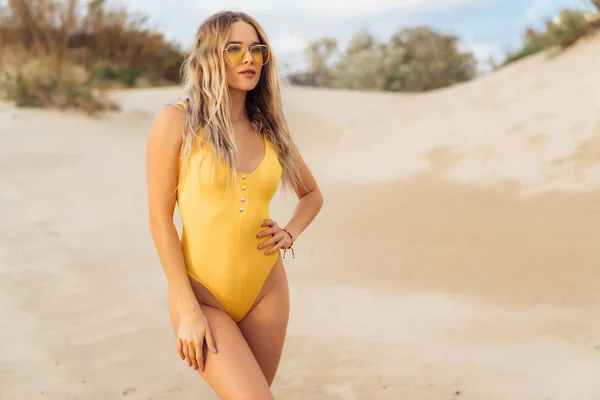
(456, 256)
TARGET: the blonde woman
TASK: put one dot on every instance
(220, 155)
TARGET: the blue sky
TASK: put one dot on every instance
(488, 27)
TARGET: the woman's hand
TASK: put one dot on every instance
(281, 239)
(193, 330)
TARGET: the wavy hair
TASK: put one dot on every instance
(208, 100)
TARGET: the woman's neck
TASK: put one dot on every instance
(238, 106)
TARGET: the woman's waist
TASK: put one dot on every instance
(224, 245)
(224, 227)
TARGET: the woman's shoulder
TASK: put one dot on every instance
(182, 104)
(174, 111)
(170, 120)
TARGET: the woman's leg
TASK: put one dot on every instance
(232, 372)
(265, 326)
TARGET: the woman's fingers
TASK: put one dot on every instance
(193, 355)
(276, 238)
(210, 343)
(281, 240)
(268, 222)
(186, 353)
(267, 232)
(180, 349)
(274, 231)
(199, 355)
(275, 248)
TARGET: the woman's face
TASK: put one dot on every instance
(245, 74)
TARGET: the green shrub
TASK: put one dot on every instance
(414, 59)
(571, 25)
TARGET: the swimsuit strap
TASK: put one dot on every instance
(183, 103)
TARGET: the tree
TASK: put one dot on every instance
(427, 60)
(414, 59)
(318, 54)
(362, 66)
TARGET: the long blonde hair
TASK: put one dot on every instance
(208, 100)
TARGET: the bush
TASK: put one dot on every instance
(415, 59)
(569, 26)
(44, 83)
(107, 47)
(36, 91)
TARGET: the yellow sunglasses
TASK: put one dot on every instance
(236, 52)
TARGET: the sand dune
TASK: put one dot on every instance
(456, 255)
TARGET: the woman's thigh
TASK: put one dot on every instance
(232, 372)
(265, 326)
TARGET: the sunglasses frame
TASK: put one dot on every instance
(247, 49)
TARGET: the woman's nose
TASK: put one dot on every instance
(248, 57)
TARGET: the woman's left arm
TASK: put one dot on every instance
(310, 201)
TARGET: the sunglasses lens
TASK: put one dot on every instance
(260, 54)
(257, 54)
(235, 53)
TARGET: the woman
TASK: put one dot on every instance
(221, 155)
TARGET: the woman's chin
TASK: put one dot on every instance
(246, 85)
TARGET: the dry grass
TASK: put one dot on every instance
(64, 53)
(562, 32)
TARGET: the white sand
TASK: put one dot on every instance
(456, 256)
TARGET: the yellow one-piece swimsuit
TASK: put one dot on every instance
(220, 221)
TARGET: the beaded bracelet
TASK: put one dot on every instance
(291, 237)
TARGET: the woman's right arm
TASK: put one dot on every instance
(162, 169)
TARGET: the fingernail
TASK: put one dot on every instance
(260, 247)
(214, 349)
(259, 235)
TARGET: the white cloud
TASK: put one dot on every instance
(327, 8)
